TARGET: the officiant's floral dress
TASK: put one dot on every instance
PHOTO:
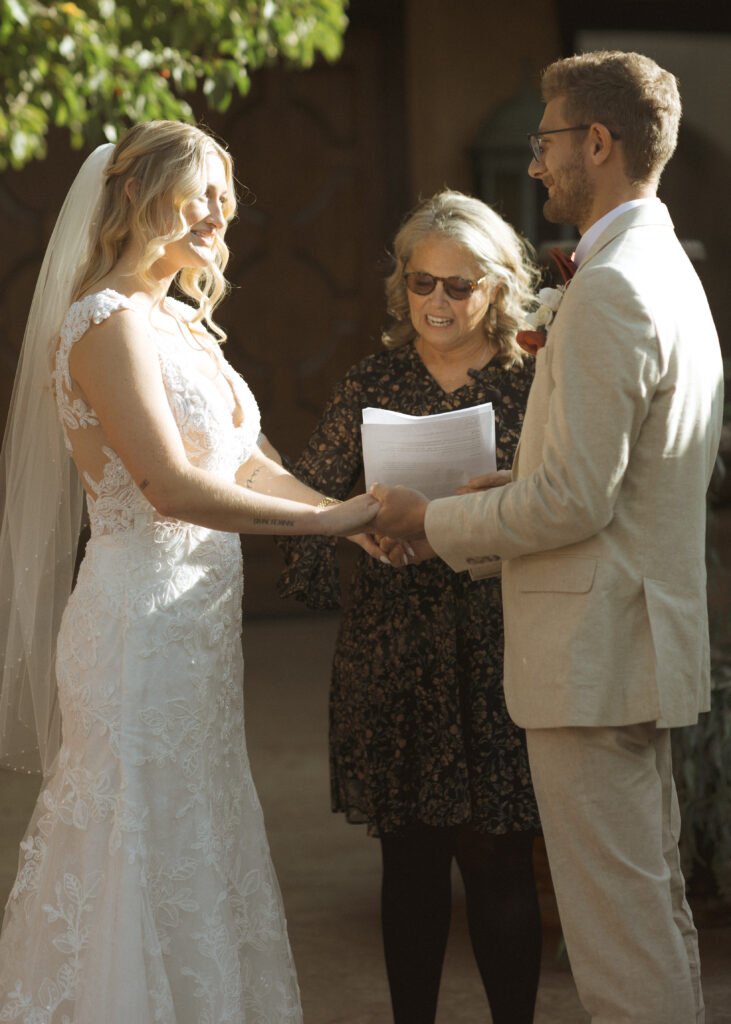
(419, 731)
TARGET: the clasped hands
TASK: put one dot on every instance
(396, 536)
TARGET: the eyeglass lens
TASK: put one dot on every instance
(535, 140)
(421, 283)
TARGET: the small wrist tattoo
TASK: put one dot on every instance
(145, 483)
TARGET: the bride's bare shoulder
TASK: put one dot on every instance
(107, 330)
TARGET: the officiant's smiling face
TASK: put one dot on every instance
(439, 319)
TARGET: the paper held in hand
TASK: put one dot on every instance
(432, 454)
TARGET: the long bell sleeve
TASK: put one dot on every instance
(331, 463)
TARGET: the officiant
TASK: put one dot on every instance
(422, 749)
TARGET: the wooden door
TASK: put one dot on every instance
(322, 155)
(309, 248)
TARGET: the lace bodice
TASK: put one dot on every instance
(211, 439)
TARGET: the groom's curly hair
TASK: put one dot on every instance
(628, 93)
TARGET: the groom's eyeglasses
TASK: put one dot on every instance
(534, 139)
(459, 288)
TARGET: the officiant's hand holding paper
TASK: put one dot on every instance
(486, 482)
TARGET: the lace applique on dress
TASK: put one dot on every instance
(146, 892)
(75, 413)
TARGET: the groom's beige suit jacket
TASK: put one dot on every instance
(602, 531)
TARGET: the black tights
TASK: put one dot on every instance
(502, 912)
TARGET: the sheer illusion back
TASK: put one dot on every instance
(212, 440)
(145, 891)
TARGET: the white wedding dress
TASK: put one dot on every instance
(146, 891)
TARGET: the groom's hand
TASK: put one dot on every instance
(401, 514)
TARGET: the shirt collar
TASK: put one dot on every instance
(590, 236)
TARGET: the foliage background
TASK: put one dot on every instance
(95, 70)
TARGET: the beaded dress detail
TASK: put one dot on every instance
(146, 891)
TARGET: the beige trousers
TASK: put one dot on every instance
(611, 823)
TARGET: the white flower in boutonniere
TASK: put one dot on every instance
(540, 319)
(549, 300)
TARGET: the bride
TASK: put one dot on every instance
(145, 891)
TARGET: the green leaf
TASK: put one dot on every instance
(93, 68)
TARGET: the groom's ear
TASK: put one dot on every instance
(601, 143)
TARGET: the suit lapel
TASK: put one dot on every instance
(647, 215)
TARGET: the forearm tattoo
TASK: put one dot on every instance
(261, 517)
(250, 481)
(145, 483)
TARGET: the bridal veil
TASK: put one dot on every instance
(42, 497)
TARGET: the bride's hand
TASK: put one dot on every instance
(399, 553)
(347, 517)
(396, 553)
(368, 542)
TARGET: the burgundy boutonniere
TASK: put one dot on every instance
(549, 299)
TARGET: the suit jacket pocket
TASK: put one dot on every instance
(566, 574)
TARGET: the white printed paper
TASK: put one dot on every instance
(432, 454)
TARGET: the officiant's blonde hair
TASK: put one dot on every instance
(496, 248)
(155, 170)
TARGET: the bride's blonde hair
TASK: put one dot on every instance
(156, 169)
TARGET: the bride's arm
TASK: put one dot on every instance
(264, 473)
(117, 369)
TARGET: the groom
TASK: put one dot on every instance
(601, 533)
